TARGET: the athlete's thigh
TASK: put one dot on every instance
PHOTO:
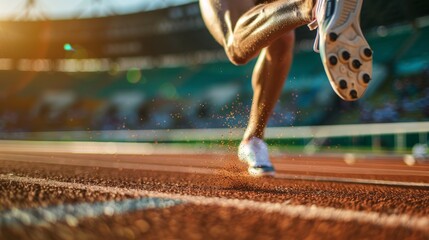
(220, 16)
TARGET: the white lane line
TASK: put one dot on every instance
(351, 180)
(72, 213)
(195, 170)
(104, 164)
(354, 170)
(298, 211)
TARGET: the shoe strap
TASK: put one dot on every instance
(316, 43)
(313, 25)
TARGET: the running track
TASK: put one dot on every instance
(141, 191)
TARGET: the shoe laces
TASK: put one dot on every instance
(313, 25)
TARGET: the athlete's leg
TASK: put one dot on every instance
(244, 29)
(268, 78)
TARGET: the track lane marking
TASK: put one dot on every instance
(72, 213)
(67, 160)
(197, 170)
(294, 211)
(350, 170)
(104, 164)
(316, 178)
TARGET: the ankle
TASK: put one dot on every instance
(249, 138)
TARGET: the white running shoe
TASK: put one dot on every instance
(345, 54)
(255, 153)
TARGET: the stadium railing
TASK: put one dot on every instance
(402, 136)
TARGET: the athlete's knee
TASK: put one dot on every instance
(237, 55)
(234, 57)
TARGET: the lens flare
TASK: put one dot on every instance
(134, 75)
(68, 47)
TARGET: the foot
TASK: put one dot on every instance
(255, 153)
(345, 54)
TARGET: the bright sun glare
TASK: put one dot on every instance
(60, 9)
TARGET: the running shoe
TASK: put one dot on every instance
(345, 54)
(255, 154)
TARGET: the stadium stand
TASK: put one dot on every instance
(190, 84)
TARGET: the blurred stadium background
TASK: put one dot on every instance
(154, 66)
